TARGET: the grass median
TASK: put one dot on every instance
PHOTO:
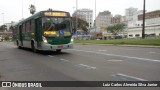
(154, 42)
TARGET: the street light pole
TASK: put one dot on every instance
(143, 29)
(95, 17)
(34, 3)
(3, 18)
(73, 9)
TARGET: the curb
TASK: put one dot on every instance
(144, 46)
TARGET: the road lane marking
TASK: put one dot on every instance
(102, 50)
(127, 77)
(85, 66)
(152, 52)
(51, 56)
(156, 60)
(113, 60)
(143, 59)
(3, 59)
(132, 49)
(64, 60)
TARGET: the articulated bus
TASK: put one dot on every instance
(45, 30)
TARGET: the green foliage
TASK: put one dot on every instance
(115, 29)
(50, 9)
(3, 27)
(32, 9)
(11, 28)
(155, 42)
(6, 38)
(82, 25)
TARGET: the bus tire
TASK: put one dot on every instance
(19, 47)
(58, 50)
(33, 47)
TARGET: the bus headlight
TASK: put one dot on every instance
(44, 39)
(72, 39)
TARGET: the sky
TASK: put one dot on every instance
(11, 10)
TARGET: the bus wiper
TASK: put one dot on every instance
(52, 27)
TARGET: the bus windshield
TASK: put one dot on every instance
(52, 26)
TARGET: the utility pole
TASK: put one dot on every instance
(143, 29)
(154, 27)
(76, 16)
(22, 9)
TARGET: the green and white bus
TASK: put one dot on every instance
(45, 30)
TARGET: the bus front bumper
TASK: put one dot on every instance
(49, 47)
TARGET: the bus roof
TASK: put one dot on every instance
(41, 14)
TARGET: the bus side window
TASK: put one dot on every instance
(28, 26)
(32, 26)
(23, 28)
(16, 30)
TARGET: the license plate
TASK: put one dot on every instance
(60, 46)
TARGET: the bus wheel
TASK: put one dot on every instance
(58, 50)
(19, 47)
(33, 48)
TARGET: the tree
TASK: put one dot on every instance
(11, 28)
(6, 38)
(3, 27)
(82, 25)
(50, 9)
(32, 9)
(115, 29)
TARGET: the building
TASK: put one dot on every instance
(103, 19)
(118, 19)
(85, 14)
(132, 17)
(129, 12)
(151, 18)
(152, 25)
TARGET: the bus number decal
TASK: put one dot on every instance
(55, 14)
(49, 32)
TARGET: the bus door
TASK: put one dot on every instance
(38, 31)
(20, 35)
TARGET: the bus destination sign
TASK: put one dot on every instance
(61, 14)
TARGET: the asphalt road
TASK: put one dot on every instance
(83, 63)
